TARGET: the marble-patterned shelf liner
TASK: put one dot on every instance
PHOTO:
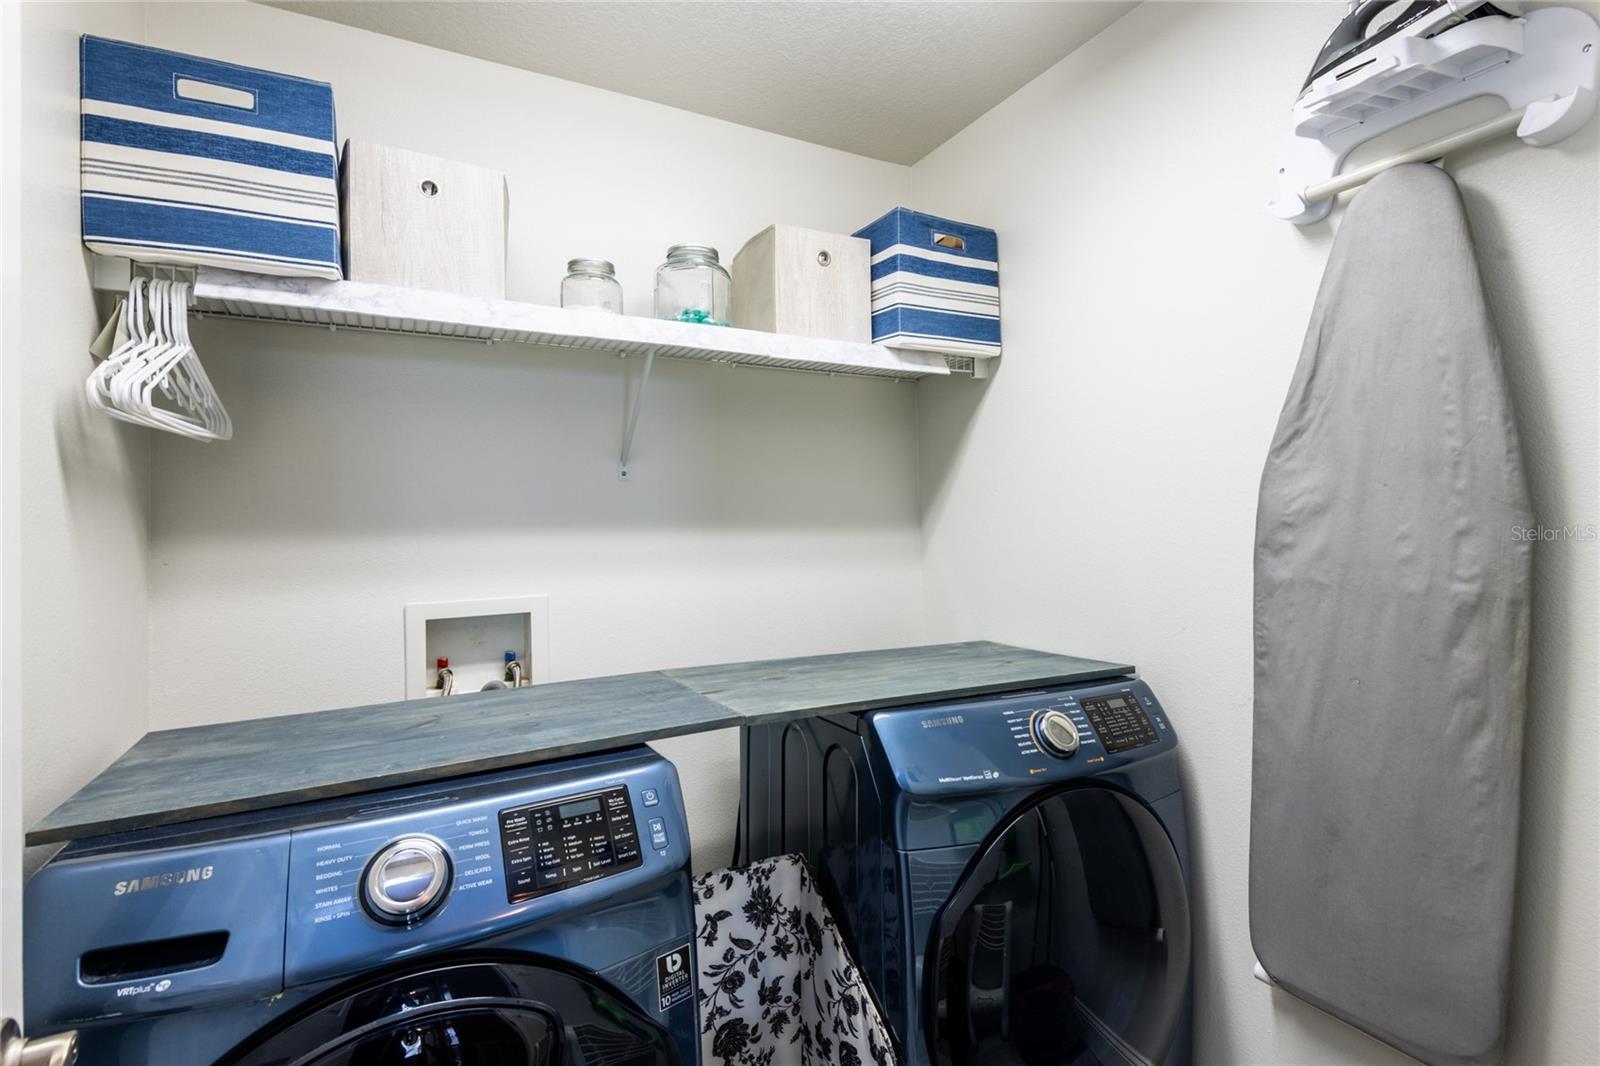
(364, 305)
(180, 775)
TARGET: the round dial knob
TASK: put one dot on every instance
(408, 878)
(1055, 733)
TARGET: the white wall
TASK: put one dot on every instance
(84, 478)
(769, 513)
(777, 514)
(1098, 495)
(11, 792)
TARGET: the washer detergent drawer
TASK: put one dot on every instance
(154, 931)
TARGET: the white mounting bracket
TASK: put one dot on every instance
(1544, 65)
(630, 412)
(113, 273)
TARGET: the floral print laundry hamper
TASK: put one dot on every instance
(777, 984)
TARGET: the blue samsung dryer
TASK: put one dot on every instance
(1011, 871)
(534, 916)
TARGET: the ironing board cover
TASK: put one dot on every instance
(1391, 641)
(777, 984)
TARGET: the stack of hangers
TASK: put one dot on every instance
(152, 375)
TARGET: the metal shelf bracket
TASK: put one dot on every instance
(630, 412)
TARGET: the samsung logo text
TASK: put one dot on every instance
(166, 880)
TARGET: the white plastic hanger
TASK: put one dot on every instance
(135, 325)
(187, 383)
(155, 342)
(165, 367)
(150, 366)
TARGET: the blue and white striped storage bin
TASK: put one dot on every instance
(935, 284)
(195, 162)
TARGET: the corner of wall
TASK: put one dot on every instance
(83, 660)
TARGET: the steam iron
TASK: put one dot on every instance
(1348, 49)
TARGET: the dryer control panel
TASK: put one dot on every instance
(1022, 740)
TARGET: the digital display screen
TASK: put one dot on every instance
(568, 841)
(1119, 722)
(573, 810)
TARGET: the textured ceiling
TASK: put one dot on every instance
(888, 80)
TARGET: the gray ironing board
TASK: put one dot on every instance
(1391, 642)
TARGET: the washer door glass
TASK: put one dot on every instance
(465, 1012)
(473, 1036)
(1065, 943)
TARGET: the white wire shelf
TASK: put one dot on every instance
(416, 312)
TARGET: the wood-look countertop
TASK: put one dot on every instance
(181, 775)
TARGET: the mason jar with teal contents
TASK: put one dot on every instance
(692, 286)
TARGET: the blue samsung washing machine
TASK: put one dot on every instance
(533, 916)
(1010, 871)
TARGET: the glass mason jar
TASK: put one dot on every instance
(592, 284)
(692, 286)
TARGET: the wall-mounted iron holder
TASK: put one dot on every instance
(1544, 65)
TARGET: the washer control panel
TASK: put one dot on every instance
(1121, 725)
(427, 867)
(569, 841)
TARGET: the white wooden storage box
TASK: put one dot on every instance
(423, 222)
(787, 279)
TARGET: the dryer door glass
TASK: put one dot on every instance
(1065, 943)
